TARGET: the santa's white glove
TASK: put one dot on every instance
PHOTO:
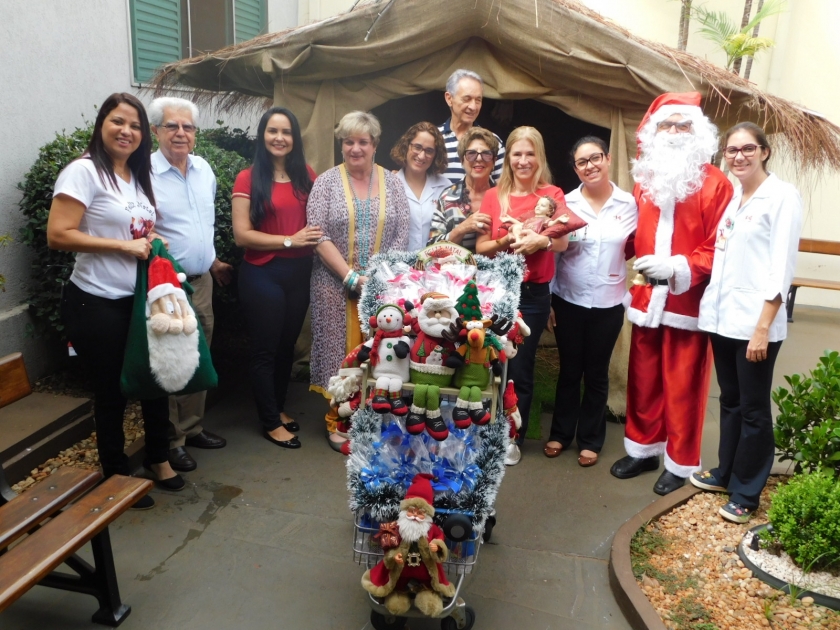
(653, 266)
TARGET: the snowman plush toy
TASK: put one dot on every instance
(388, 354)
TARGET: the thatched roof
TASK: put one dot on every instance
(558, 51)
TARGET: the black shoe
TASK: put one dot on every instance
(630, 466)
(291, 427)
(205, 439)
(293, 443)
(143, 503)
(415, 423)
(181, 460)
(461, 418)
(667, 483)
(436, 427)
(173, 484)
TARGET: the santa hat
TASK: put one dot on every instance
(510, 404)
(436, 301)
(420, 494)
(164, 281)
(668, 104)
(351, 365)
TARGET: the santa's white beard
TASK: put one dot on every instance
(412, 530)
(670, 168)
(173, 359)
(433, 326)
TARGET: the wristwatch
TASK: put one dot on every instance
(288, 241)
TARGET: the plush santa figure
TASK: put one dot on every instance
(346, 390)
(510, 403)
(516, 336)
(427, 368)
(388, 354)
(414, 550)
(170, 326)
(681, 198)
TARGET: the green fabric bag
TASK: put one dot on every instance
(137, 381)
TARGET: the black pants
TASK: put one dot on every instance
(746, 421)
(98, 328)
(585, 341)
(535, 305)
(275, 297)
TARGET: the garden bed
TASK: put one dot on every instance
(686, 563)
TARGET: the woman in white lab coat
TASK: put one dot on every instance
(755, 256)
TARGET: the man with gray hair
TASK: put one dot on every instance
(185, 189)
(464, 94)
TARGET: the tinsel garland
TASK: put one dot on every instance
(383, 503)
(506, 267)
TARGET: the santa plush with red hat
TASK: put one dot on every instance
(414, 550)
(170, 327)
(681, 199)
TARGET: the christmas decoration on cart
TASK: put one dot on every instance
(388, 354)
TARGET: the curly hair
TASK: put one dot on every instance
(478, 133)
(400, 151)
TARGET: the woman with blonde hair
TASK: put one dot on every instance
(525, 179)
(362, 210)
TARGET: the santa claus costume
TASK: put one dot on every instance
(681, 198)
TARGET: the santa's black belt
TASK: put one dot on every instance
(655, 281)
(192, 279)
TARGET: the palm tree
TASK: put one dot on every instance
(737, 43)
(685, 20)
(754, 34)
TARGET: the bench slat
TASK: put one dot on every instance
(23, 513)
(14, 382)
(816, 284)
(26, 564)
(815, 246)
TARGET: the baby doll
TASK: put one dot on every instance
(542, 219)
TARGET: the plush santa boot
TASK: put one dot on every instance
(461, 412)
(416, 421)
(435, 426)
(478, 414)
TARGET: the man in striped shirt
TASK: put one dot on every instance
(464, 94)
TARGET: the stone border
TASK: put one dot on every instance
(635, 605)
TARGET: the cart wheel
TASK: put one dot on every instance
(457, 527)
(449, 623)
(380, 622)
(489, 524)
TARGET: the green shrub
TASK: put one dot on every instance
(51, 269)
(805, 514)
(236, 140)
(807, 428)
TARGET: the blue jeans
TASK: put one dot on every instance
(535, 305)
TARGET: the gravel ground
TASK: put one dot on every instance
(83, 454)
(687, 564)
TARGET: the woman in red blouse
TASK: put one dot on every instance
(269, 220)
(525, 178)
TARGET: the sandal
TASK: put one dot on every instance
(736, 512)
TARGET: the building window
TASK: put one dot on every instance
(163, 31)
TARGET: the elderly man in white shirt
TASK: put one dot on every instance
(586, 299)
(185, 189)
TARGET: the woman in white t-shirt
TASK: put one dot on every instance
(755, 257)
(586, 293)
(104, 210)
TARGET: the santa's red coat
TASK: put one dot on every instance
(380, 575)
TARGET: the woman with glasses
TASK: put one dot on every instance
(525, 179)
(269, 221)
(586, 293)
(421, 152)
(362, 210)
(755, 256)
(458, 217)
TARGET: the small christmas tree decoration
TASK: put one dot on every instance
(468, 307)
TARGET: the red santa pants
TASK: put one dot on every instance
(667, 389)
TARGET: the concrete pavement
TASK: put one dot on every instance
(261, 537)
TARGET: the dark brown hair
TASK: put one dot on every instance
(400, 151)
(756, 132)
(139, 162)
(599, 142)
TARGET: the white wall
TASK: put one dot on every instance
(60, 59)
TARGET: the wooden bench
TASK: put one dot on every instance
(53, 537)
(812, 246)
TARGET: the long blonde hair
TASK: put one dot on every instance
(541, 178)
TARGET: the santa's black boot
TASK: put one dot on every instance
(479, 414)
(436, 427)
(416, 421)
(398, 406)
(461, 414)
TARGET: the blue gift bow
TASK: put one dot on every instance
(375, 476)
(392, 430)
(450, 478)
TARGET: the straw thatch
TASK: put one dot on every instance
(569, 51)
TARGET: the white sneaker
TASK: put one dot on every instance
(513, 455)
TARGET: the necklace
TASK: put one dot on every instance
(362, 209)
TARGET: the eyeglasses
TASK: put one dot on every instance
(595, 159)
(174, 127)
(682, 126)
(419, 148)
(748, 150)
(472, 155)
